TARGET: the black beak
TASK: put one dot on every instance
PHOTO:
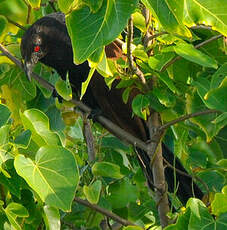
(28, 67)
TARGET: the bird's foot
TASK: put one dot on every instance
(94, 114)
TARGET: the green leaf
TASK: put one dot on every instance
(4, 135)
(209, 12)
(121, 194)
(53, 175)
(86, 83)
(65, 5)
(219, 204)
(64, 88)
(38, 123)
(139, 21)
(133, 228)
(52, 218)
(107, 169)
(182, 221)
(192, 54)
(221, 120)
(218, 76)
(92, 192)
(195, 104)
(216, 98)
(169, 15)
(3, 24)
(200, 217)
(23, 139)
(14, 211)
(34, 3)
(157, 61)
(97, 29)
(94, 5)
(140, 105)
(168, 81)
(214, 180)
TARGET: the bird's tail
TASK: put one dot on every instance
(176, 176)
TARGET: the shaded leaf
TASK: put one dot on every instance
(107, 169)
(192, 54)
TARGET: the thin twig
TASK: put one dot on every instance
(133, 68)
(186, 117)
(197, 47)
(105, 212)
(208, 41)
(201, 27)
(187, 175)
(156, 35)
(16, 24)
(89, 138)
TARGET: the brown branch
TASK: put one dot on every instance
(110, 126)
(105, 212)
(155, 153)
(132, 68)
(197, 47)
(186, 117)
(89, 138)
(151, 37)
(201, 27)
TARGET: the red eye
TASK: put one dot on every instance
(37, 48)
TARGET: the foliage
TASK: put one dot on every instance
(43, 157)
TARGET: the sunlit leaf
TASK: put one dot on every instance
(107, 169)
(38, 123)
(52, 218)
(53, 175)
(208, 12)
(97, 29)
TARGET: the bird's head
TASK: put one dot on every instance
(32, 49)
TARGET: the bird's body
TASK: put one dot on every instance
(50, 35)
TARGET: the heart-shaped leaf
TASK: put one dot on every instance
(53, 175)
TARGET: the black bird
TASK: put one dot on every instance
(47, 40)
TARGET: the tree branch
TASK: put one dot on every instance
(110, 126)
(132, 68)
(105, 212)
(89, 138)
(155, 154)
(197, 47)
(186, 117)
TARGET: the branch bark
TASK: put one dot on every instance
(105, 212)
(133, 68)
(186, 117)
(155, 153)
